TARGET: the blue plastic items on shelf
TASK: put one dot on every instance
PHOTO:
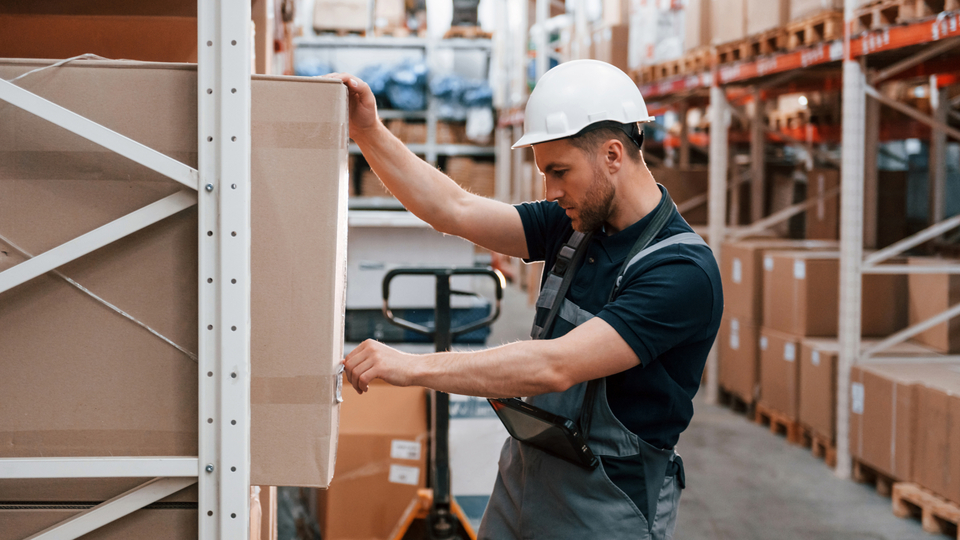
(312, 67)
(455, 94)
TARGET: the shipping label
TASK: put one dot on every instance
(815, 358)
(768, 264)
(789, 352)
(400, 474)
(799, 269)
(400, 449)
(737, 270)
(856, 398)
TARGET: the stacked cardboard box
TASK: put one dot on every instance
(611, 45)
(342, 15)
(683, 185)
(818, 360)
(742, 274)
(383, 457)
(801, 299)
(108, 386)
(937, 455)
(930, 295)
(474, 175)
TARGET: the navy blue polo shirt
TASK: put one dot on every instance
(668, 310)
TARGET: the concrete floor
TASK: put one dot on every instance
(745, 483)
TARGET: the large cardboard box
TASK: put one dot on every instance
(818, 380)
(801, 9)
(728, 20)
(930, 295)
(823, 218)
(936, 462)
(81, 380)
(349, 15)
(739, 357)
(697, 24)
(801, 296)
(763, 15)
(610, 45)
(151, 524)
(883, 409)
(682, 186)
(382, 463)
(742, 272)
(779, 371)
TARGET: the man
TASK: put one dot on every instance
(640, 329)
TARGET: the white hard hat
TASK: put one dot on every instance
(577, 94)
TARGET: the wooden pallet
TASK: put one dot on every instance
(769, 42)
(341, 32)
(736, 403)
(820, 445)
(866, 474)
(696, 60)
(733, 51)
(468, 32)
(937, 515)
(882, 13)
(825, 26)
(779, 423)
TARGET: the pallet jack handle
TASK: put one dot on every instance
(442, 521)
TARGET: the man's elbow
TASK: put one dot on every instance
(557, 380)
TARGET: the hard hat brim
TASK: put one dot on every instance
(530, 139)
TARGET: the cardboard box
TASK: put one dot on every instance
(779, 371)
(883, 407)
(382, 463)
(930, 295)
(801, 296)
(739, 357)
(349, 15)
(742, 272)
(728, 20)
(801, 9)
(682, 186)
(150, 524)
(109, 386)
(823, 219)
(131, 37)
(697, 24)
(818, 380)
(611, 45)
(936, 462)
(763, 15)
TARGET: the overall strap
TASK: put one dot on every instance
(653, 229)
(558, 281)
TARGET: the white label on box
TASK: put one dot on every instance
(737, 270)
(400, 449)
(815, 358)
(799, 269)
(735, 334)
(789, 352)
(856, 398)
(400, 474)
(763, 343)
(768, 264)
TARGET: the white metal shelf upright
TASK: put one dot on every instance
(221, 188)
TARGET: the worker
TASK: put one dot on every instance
(639, 329)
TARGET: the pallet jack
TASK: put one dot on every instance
(434, 514)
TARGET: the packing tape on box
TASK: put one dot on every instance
(93, 295)
(300, 135)
(302, 390)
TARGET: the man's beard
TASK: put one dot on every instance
(597, 204)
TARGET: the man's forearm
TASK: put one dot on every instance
(421, 188)
(523, 368)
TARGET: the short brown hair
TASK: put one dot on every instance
(589, 140)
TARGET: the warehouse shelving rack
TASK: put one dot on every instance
(864, 61)
(220, 186)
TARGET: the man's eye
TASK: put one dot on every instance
(558, 173)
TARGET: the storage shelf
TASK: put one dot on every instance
(944, 26)
(383, 42)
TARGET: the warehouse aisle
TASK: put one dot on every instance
(744, 483)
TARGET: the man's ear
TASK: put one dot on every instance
(613, 155)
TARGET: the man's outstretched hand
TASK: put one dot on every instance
(363, 104)
(374, 360)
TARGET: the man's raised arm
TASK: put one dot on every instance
(422, 189)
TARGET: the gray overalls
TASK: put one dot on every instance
(538, 496)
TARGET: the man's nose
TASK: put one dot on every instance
(551, 190)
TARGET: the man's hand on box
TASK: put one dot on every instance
(374, 360)
(363, 104)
